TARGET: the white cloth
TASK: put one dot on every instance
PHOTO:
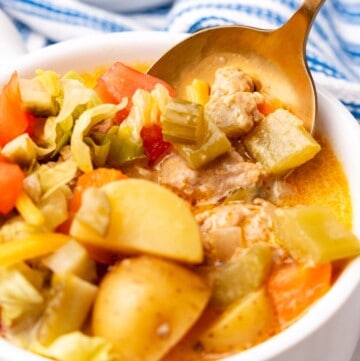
(333, 49)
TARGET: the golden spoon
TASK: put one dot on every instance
(274, 58)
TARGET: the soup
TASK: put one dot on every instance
(160, 228)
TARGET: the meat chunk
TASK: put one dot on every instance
(211, 183)
(230, 80)
(235, 113)
(230, 227)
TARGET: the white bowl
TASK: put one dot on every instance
(331, 328)
(126, 5)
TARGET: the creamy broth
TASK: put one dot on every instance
(321, 181)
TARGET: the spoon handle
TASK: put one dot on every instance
(298, 27)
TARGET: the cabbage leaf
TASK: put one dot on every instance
(80, 151)
(77, 346)
(19, 293)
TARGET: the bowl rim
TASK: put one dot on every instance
(322, 310)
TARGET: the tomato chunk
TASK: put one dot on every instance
(11, 180)
(13, 117)
(122, 81)
(154, 144)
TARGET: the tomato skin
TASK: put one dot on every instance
(13, 118)
(122, 81)
(11, 182)
(154, 144)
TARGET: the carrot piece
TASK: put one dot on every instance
(11, 180)
(293, 288)
(13, 118)
(96, 178)
(268, 107)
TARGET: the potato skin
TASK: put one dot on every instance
(146, 304)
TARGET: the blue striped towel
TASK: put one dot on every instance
(333, 50)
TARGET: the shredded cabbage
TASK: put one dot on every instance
(54, 176)
(147, 109)
(19, 293)
(16, 228)
(79, 149)
(54, 209)
(77, 346)
(23, 150)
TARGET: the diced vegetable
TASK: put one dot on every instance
(198, 92)
(30, 247)
(95, 211)
(312, 234)
(121, 81)
(145, 218)
(11, 183)
(246, 322)
(28, 210)
(77, 346)
(183, 122)
(79, 149)
(280, 142)
(21, 150)
(20, 293)
(214, 144)
(123, 149)
(134, 311)
(243, 275)
(72, 258)
(96, 179)
(53, 177)
(71, 299)
(36, 98)
(154, 144)
(54, 208)
(294, 287)
(13, 119)
(269, 106)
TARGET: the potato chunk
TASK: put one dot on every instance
(280, 142)
(145, 305)
(244, 323)
(144, 218)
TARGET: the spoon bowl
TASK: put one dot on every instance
(274, 58)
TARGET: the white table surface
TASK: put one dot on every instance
(356, 355)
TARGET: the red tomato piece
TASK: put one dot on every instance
(121, 81)
(154, 144)
(11, 180)
(13, 117)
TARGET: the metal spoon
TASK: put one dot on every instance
(274, 58)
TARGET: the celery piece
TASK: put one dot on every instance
(198, 92)
(72, 258)
(70, 301)
(246, 322)
(214, 144)
(183, 122)
(36, 98)
(312, 234)
(280, 142)
(245, 274)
